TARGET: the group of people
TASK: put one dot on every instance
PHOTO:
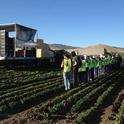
(82, 69)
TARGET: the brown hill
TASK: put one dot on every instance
(97, 50)
(60, 47)
(107, 47)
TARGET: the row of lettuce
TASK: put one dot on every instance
(120, 114)
(26, 89)
(79, 103)
(22, 91)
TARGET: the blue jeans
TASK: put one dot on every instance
(67, 79)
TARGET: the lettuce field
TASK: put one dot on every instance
(38, 97)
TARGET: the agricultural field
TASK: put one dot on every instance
(38, 97)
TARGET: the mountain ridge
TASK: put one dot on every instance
(96, 46)
(61, 46)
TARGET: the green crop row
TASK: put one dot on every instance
(17, 95)
(5, 74)
(120, 114)
(44, 107)
(12, 103)
(25, 78)
(62, 103)
(28, 80)
(79, 105)
(83, 116)
(29, 86)
(66, 104)
(17, 74)
(32, 84)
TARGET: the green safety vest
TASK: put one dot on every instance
(108, 61)
(92, 63)
(87, 64)
(100, 63)
(103, 62)
(111, 62)
(83, 67)
(97, 63)
(67, 65)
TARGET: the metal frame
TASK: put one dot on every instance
(12, 27)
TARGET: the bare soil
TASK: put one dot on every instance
(107, 112)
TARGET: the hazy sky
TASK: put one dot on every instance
(72, 22)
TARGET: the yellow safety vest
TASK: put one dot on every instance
(67, 65)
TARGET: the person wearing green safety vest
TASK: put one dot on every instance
(82, 71)
(67, 68)
(110, 63)
(102, 65)
(105, 65)
(92, 63)
(87, 59)
(95, 67)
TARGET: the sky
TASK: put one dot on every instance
(78, 23)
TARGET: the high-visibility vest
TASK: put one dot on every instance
(100, 64)
(67, 65)
(83, 67)
(110, 61)
(92, 63)
(103, 62)
(97, 63)
(87, 64)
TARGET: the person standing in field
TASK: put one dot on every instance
(82, 71)
(67, 68)
(75, 68)
(91, 68)
(98, 67)
(87, 60)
